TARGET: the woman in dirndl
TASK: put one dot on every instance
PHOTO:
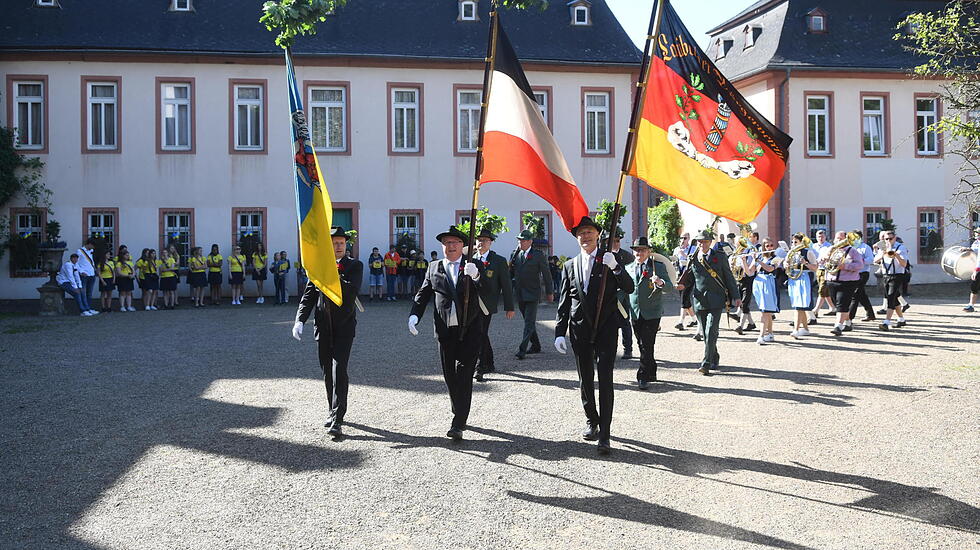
(801, 289)
(764, 288)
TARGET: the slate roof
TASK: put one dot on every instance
(859, 37)
(364, 28)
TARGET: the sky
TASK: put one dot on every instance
(698, 16)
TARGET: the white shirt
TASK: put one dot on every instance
(976, 250)
(69, 274)
(85, 262)
(586, 261)
(891, 265)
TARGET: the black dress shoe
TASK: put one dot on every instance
(906, 307)
(628, 354)
(590, 433)
(520, 356)
(900, 324)
(679, 326)
(751, 326)
(870, 318)
(836, 331)
(642, 384)
(534, 350)
(479, 377)
(335, 430)
(603, 447)
(698, 337)
(739, 330)
(704, 370)
(881, 311)
(455, 434)
(848, 328)
(692, 324)
(883, 326)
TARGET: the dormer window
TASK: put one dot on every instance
(581, 12)
(48, 4)
(723, 46)
(816, 21)
(752, 34)
(180, 5)
(467, 11)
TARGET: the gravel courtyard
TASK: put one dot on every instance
(203, 429)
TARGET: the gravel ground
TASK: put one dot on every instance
(203, 429)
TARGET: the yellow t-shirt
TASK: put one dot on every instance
(198, 265)
(166, 265)
(107, 270)
(259, 260)
(126, 268)
(215, 259)
(140, 268)
(236, 264)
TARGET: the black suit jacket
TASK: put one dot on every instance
(576, 308)
(439, 288)
(526, 273)
(327, 316)
(496, 282)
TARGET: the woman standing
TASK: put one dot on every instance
(151, 280)
(106, 269)
(764, 288)
(168, 278)
(801, 288)
(139, 273)
(259, 272)
(198, 275)
(125, 272)
(215, 262)
(236, 274)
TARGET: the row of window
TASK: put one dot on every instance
(930, 230)
(875, 125)
(328, 108)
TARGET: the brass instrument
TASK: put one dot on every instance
(838, 256)
(795, 262)
(735, 260)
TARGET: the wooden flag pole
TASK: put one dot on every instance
(653, 31)
(478, 171)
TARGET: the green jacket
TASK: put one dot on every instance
(527, 275)
(496, 281)
(646, 300)
(709, 292)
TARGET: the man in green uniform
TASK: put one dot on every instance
(496, 281)
(651, 281)
(528, 267)
(714, 287)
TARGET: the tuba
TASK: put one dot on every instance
(795, 263)
(838, 254)
(735, 260)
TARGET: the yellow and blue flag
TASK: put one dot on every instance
(313, 207)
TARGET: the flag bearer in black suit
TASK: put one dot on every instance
(496, 281)
(333, 328)
(444, 284)
(580, 284)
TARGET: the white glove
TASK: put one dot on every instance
(298, 330)
(412, 322)
(560, 345)
(471, 271)
(658, 281)
(610, 260)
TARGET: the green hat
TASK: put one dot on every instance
(704, 235)
(641, 242)
(485, 233)
(337, 231)
(586, 222)
(453, 232)
(525, 236)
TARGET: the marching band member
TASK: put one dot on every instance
(894, 262)
(650, 281)
(842, 271)
(821, 246)
(975, 278)
(683, 253)
(764, 287)
(745, 321)
(801, 288)
(880, 245)
(861, 294)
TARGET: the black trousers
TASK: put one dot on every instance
(842, 293)
(592, 359)
(529, 311)
(646, 337)
(893, 289)
(686, 297)
(485, 363)
(334, 353)
(861, 298)
(745, 292)
(458, 361)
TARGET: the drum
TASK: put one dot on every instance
(959, 262)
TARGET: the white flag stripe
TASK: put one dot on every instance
(511, 111)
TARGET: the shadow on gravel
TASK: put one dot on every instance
(815, 379)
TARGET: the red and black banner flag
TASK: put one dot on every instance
(518, 147)
(698, 139)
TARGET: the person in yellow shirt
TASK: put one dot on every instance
(198, 275)
(167, 265)
(106, 269)
(150, 274)
(260, 259)
(215, 261)
(125, 272)
(236, 275)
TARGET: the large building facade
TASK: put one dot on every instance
(166, 120)
(831, 75)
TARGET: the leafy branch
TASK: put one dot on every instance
(690, 97)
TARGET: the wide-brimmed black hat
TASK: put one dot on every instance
(453, 232)
(525, 236)
(641, 242)
(485, 233)
(338, 231)
(704, 235)
(586, 222)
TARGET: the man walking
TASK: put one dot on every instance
(650, 281)
(528, 267)
(458, 328)
(713, 288)
(593, 339)
(496, 281)
(333, 329)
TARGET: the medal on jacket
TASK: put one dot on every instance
(488, 273)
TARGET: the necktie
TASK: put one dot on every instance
(453, 321)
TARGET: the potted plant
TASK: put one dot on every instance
(24, 254)
(52, 249)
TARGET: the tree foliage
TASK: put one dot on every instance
(604, 213)
(485, 220)
(534, 224)
(949, 40)
(292, 18)
(20, 174)
(665, 224)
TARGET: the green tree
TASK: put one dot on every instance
(665, 225)
(485, 220)
(604, 213)
(949, 40)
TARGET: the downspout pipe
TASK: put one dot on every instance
(784, 126)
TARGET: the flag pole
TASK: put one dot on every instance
(653, 31)
(478, 170)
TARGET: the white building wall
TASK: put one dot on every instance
(139, 181)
